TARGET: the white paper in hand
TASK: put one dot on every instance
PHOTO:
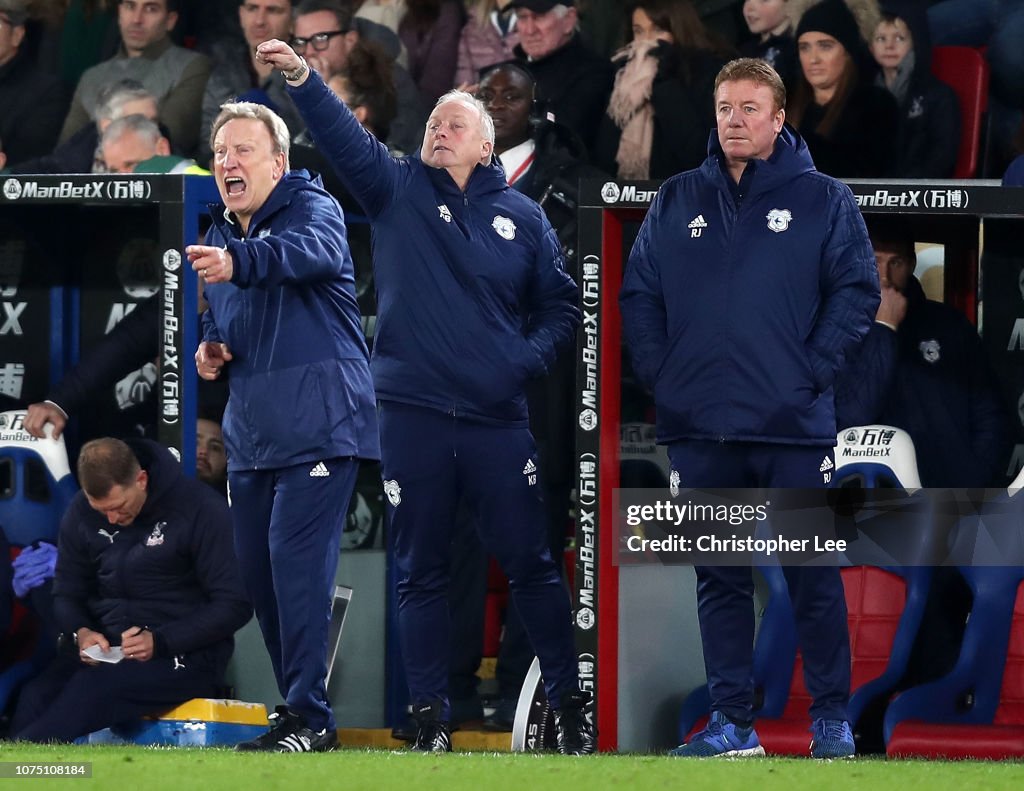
(114, 655)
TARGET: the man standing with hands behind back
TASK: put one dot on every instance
(750, 281)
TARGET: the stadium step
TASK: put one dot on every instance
(465, 740)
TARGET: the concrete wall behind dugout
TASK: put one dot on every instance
(660, 655)
(357, 688)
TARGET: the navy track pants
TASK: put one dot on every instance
(288, 524)
(431, 462)
(725, 593)
(71, 699)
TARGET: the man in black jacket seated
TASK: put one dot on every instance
(922, 368)
(147, 575)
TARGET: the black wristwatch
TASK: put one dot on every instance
(298, 74)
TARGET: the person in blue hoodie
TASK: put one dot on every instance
(473, 300)
(923, 368)
(750, 280)
(283, 319)
(144, 566)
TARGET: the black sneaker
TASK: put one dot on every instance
(573, 730)
(282, 723)
(306, 740)
(288, 734)
(432, 733)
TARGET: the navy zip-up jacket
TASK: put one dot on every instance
(932, 379)
(740, 302)
(299, 376)
(472, 296)
(173, 570)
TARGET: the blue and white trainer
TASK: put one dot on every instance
(832, 739)
(721, 738)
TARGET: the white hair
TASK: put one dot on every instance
(469, 101)
(145, 128)
(113, 99)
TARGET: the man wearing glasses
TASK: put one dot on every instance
(325, 32)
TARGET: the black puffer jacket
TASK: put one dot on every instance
(173, 570)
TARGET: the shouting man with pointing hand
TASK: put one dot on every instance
(283, 319)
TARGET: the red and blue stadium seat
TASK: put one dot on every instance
(36, 487)
(977, 709)
(884, 609)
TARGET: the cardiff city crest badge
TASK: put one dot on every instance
(779, 219)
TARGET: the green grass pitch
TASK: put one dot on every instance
(163, 769)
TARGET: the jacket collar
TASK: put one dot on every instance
(294, 181)
(789, 159)
(914, 293)
(483, 180)
(153, 51)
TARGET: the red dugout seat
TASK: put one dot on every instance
(977, 711)
(966, 71)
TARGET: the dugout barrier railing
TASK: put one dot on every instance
(77, 253)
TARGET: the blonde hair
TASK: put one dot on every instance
(757, 71)
(277, 128)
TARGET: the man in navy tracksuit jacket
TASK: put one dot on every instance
(283, 316)
(922, 368)
(750, 280)
(472, 301)
(144, 562)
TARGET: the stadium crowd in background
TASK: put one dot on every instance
(192, 56)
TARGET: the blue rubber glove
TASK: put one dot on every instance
(33, 567)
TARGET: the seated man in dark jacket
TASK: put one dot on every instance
(146, 574)
(922, 368)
